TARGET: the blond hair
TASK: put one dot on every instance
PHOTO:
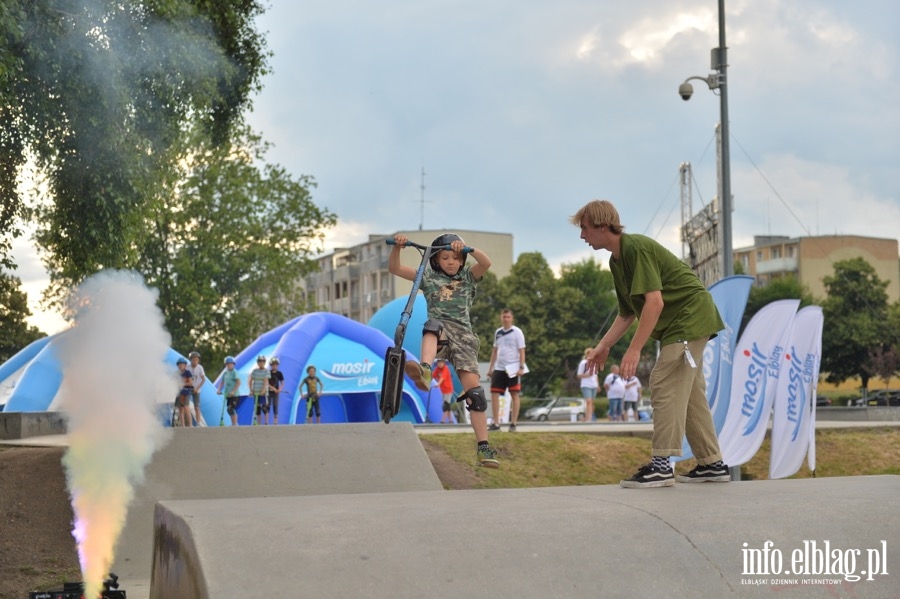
(600, 213)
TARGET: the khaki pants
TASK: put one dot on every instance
(678, 395)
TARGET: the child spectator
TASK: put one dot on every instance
(259, 383)
(183, 401)
(276, 382)
(198, 379)
(449, 288)
(444, 380)
(314, 388)
(230, 383)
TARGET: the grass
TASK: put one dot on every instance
(567, 459)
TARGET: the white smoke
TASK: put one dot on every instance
(113, 376)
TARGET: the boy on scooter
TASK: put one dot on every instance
(449, 288)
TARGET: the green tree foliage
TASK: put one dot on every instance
(15, 333)
(783, 288)
(855, 312)
(101, 95)
(228, 245)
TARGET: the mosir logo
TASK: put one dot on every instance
(759, 370)
(348, 371)
(800, 375)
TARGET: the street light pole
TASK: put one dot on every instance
(725, 200)
(719, 81)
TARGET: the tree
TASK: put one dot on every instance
(15, 333)
(101, 95)
(784, 288)
(228, 244)
(855, 313)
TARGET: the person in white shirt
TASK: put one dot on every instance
(506, 367)
(632, 395)
(589, 383)
(615, 392)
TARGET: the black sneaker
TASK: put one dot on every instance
(706, 474)
(487, 457)
(494, 427)
(649, 476)
(512, 428)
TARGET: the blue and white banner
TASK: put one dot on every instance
(793, 421)
(730, 296)
(758, 360)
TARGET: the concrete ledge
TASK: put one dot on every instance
(689, 541)
(269, 461)
(21, 425)
(858, 414)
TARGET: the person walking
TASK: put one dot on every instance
(673, 307)
(615, 393)
(588, 382)
(449, 288)
(507, 366)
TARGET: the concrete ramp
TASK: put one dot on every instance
(691, 540)
(270, 461)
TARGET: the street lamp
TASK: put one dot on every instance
(718, 82)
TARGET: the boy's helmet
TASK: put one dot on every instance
(260, 358)
(274, 360)
(229, 360)
(194, 354)
(445, 239)
(181, 361)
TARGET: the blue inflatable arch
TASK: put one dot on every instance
(349, 359)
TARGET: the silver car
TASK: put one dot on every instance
(570, 409)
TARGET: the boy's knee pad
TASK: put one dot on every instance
(433, 326)
(231, 411)
(478, 400)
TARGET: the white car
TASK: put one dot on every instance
(561, 408)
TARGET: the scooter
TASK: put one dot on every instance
(395, 357)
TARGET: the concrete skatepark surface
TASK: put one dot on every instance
(358, 511)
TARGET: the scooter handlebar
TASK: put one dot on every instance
(466, 249)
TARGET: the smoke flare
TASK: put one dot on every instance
(113, 376)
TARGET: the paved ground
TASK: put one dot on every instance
(243, 528)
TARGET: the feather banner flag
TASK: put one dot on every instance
(793, 421)
(758, 358)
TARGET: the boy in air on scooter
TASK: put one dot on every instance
(449, 288)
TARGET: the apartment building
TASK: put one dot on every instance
(355, 281)
(811, 259)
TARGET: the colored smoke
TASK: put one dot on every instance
(113, 377)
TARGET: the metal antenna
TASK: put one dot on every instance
(422, 201)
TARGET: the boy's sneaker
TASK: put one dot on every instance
(706, 474)
(512, 428)
(420, 374)
(494, 427)
(488, 457)
(649, 476)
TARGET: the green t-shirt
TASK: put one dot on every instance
(449, 298)
(229, 382)
(259, 378)
(643, 266)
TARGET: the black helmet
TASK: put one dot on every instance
(445, 239)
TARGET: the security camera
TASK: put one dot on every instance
(685, 90)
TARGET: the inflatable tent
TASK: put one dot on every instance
(30, 381)
(349, 360)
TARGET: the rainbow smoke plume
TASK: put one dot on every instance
(113, 377)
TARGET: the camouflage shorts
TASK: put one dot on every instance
(461, 349)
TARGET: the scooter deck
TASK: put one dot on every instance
(392, 382)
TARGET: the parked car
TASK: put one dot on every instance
(884, 397)
(822, 401)
(561, 408)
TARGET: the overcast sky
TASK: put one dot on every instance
(521, 111)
